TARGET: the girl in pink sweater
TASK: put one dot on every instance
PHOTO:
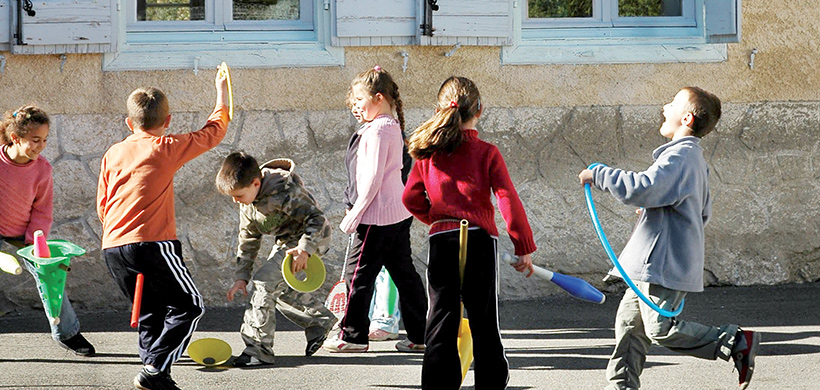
(376, 217)
(25, 183)
(453, 178)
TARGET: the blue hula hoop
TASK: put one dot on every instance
(614, 259)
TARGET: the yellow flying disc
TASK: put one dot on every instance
(223, 69)
(315, 274)
(209, 352)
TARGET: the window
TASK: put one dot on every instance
(198, 34)
(605, 18)
(623, 31)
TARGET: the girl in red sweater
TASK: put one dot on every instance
(26, 183)
(453, 177)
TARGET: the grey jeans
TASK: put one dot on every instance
(271, 292)
(637, 326)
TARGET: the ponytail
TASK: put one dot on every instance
(441, 133)
(458, 102)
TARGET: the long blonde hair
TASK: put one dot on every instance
(458, 102)
(377, 80)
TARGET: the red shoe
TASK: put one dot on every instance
(745, 359)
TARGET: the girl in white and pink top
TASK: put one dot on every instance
(376, 217)
(27, 191)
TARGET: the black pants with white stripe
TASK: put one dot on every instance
(171, 303)
(441, 369)
(373, 247)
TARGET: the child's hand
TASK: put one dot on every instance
(523, 264)
(349, 224)
(221, 83)
(585, 176)
(300, 259)
(239, 285)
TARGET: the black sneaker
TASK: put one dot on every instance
(159, 381)
(315, 344)
(78, 344)
(745, 360)
(245, 360)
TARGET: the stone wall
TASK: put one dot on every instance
(765, 161)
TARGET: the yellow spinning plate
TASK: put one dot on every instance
(223, 69)
(315, 274)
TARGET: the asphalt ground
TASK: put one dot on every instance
(552, 343)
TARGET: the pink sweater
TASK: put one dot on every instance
(378, 176)
(28, 190)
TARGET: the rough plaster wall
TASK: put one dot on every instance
(548, 121)
(785, 34)
(765, 160)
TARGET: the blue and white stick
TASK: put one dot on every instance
(614, 259)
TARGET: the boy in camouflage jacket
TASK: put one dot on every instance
(273, 200)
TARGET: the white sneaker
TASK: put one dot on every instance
(408, 346)
(336, 344)
(382, 335)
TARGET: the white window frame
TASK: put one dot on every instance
(195, 45)
(607, 38)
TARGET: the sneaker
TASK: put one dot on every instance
(314, 345)
(408, 346)
(146, 380)
(382, 335)
(745, 359)
(336, 344)
(245, 360)
(78, 344)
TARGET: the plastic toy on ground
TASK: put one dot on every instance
(209, 351)
(52, 272)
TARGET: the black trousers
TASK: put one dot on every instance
(171, 303)
(442, 369)
(373, 247)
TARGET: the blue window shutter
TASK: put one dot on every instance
(722, 20)
(5, 24)
(66, 26)
(375, 22)
(474, 22)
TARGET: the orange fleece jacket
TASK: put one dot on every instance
(135, 192)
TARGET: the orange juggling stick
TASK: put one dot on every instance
(135, 308)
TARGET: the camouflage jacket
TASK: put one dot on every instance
(285, 209)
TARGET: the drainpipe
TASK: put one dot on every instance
(427, 20)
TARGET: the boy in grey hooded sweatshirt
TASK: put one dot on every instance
(273, 200)
(665, 254)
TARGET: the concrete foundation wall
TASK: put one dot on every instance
(765, 159)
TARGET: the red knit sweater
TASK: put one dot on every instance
(457, 186)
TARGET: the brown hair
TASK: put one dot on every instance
(147, 108)
(705, 107)
(21, 121)
(237, 171)
(377, 80)
(458, 101)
